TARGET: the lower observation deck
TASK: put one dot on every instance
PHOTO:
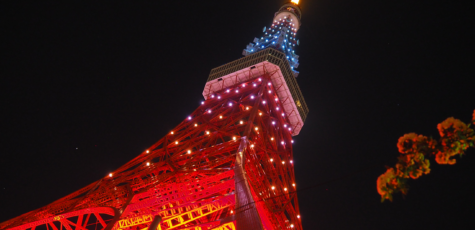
(266, 62)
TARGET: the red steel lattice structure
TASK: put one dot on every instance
(226, 166)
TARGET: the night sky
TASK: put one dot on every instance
(86, 87)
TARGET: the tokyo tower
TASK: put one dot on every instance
(228, 165)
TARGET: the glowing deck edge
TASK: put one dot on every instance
(252, 66)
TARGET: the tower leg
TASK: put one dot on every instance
(247, 216)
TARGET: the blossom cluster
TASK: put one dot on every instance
(387, 184)
(456, 138)
(412, 143)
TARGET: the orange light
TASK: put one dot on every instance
(110, 174)
(148, 151)
(176, 142)
(220, 117)
(189, 151)
(298, 216)
(273, 187)
(296, 2)
(172, 132)
(148, 163)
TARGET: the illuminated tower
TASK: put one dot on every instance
(228, 165)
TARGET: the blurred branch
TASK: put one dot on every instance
(455, 138)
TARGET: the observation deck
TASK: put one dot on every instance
(269, 62)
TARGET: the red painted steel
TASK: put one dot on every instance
(188, 176)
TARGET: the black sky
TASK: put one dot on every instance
(88, 86)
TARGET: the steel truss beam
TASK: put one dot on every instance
(188, 176)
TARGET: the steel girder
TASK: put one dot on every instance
(188, 176)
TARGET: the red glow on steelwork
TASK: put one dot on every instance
(181, 153)
(188, 177)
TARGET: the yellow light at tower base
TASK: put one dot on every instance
(296, 2)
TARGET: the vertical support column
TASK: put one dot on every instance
(247, 216)
(119, 213)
